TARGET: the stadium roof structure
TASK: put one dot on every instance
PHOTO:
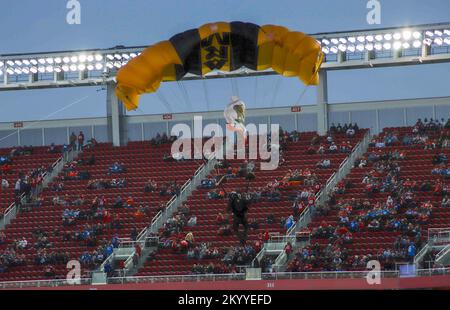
(384, 47)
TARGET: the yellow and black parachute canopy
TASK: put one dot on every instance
(220, 46)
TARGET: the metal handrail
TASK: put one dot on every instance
(226, 277)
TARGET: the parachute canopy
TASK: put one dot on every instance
(220, 46)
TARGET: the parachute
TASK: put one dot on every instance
(220, 46)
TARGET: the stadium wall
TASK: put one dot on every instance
(433, 282)
(374, 115)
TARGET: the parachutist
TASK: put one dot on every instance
(239, 205)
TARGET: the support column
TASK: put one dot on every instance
(322, 103)
(116, 117)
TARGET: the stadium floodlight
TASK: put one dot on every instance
(343, 40)
(118, 57)
(388, 37)
(351, 48)
(41, 69)
(90, 67)
(82, 58)
(397, 45)
(98, 66)
(397, 36)
(66, 60)
(438, 33)
(10, 71)
(49, 61)
(429, 34)
(379, 37)
(326, 50)
(58, 69)
(90, 58)
(417, 44)
(439, 41)
(360, 47)
(406, 45)
(33, 70)
(65, 68)
(407, 35)
(370, 38)
(1, 72)
(25, 70)
(387, 46)
(342, 47)
(133, 55)
(428, 41)
(324, 41)
(361, 39)
(18, 71)
(352, 39)
(1, 64)
(417, 35)
(447, 32)
(110, 57)
(18, 62)
(74, 59)
(26, 62)
(58, 60)
(334, 49)
(378, 46)
(49, 69)
(126, 56)
(334, 41)
(110, 65)
(369, 47)
(98, 57)
(446, 40)
(41, 61)
(73, 68)
(117, 64)
(81, 67)
(10, 63)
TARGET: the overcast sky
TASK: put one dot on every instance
(40, 26)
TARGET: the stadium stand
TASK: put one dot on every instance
(216, 248)
(74, 221)
(385, 206)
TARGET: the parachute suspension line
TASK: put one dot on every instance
(256, 91)
(186, 95)
(205, 90)
(275, 92)
(178, 98)
(234, 87)
(48, 116)
(164, 101)
(305, 89)
(183, 95)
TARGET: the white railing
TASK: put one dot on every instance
(438, 239)
(42, 283)
(306, 216)
(11, 212)
(171, 207)
(225, 277)
(181, 278)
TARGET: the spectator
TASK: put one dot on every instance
(5, 184)
(445, 202)
(80, 141)
(324, 164)
(73, 140)
(117, 168)
(192, 221)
